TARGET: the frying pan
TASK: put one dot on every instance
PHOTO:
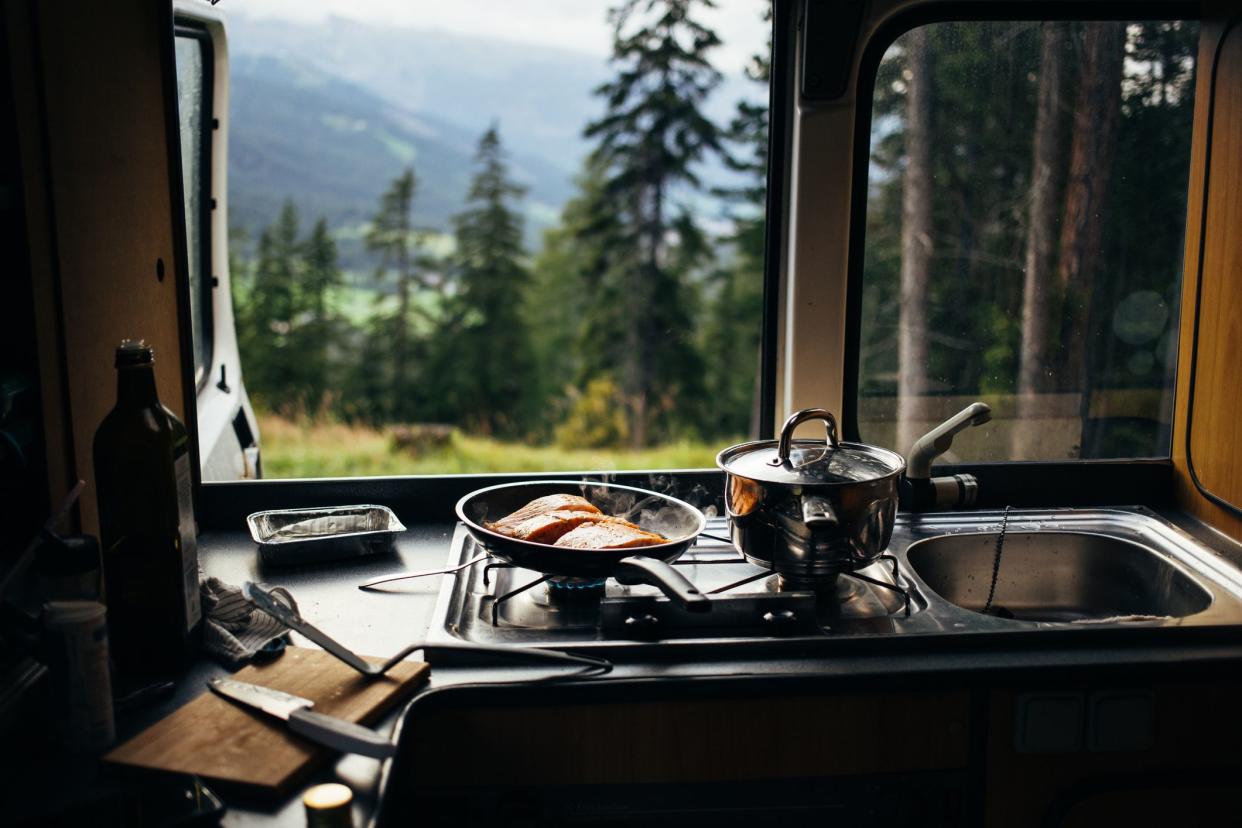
(672, 518)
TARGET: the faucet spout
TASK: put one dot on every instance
(937, 441)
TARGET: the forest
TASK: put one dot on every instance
(1027, 183)
(1024, 235)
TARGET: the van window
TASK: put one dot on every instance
(194, 109)
(497, 236)
(1026, 205)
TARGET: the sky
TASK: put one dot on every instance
(568, 24)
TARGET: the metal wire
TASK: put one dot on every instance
(1000, 546)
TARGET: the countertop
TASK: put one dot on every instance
(379, 623)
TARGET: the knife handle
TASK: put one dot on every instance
(339, 734)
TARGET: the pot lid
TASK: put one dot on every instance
(809, 462)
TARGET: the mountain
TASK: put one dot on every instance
(541, 97)
(329, 113)
(333, 147)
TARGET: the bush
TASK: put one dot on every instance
(596, 418)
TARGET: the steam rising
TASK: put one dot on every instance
(652, 512)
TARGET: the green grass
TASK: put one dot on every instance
(358, 305)
(326, 449)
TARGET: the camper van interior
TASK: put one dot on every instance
(621, 412)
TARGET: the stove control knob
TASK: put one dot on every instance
(642, 623)
(783, 621)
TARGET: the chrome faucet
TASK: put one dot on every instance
(923, 493)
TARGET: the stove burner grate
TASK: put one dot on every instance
(833, 584)
(571, 591)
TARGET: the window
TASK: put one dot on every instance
(1026, 205)
(194, 108)
(497, 236)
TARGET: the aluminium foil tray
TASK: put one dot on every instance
(297, 536)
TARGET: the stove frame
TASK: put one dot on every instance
(639, 623)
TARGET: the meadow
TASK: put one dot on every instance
(322, 447)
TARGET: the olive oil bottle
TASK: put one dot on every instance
(146, 520)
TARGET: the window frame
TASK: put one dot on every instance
(184, 27)
(873, 52)
(428, 500)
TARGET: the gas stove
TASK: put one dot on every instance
(756, 613)
(494, 603)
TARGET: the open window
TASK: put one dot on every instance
(1022, 205)
(195, 70)
(458, 246)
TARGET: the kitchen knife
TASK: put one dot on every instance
(329, 731)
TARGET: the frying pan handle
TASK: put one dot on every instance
(642, 569)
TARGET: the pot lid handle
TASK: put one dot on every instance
(798, 418)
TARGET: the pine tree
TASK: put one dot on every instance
(571, 312)
(1037, 284)
(267, 349)
(1093, 143)
(482, 364)
(733, 327)
(320, 274)
(392, 236)
(917, 234)
(652, 134)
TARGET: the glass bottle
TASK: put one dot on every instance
(146, 520)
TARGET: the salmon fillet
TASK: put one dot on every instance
(548, 527)
(541, 506)
(609, 534)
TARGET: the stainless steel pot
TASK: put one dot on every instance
(810, 509)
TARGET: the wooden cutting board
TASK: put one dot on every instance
(232, 744)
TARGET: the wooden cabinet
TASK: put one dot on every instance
(1180, 769)
(1207, 443)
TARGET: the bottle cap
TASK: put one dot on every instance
(134, 352)
(68, 568)
(328, 806)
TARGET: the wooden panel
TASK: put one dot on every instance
(28, 103)
(1215, 446)
(699, 741)
(107, 183)
(226, 742)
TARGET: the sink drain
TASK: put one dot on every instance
(1000, 546)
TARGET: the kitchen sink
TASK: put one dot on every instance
(1058, 576)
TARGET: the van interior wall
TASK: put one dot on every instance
(95, 161)
(1212, 287)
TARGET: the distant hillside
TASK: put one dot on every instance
(333, 148)
(329, 113)
(541, 97)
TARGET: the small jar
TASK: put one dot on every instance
(328, 806)
(76, 634)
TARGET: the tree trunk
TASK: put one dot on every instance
(916, 242)
(1037, 284)
(1096, 116)
(641, 333)
(400, 333)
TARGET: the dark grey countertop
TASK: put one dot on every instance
(380, 623)
(370, 623)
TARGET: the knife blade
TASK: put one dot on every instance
(329, 731)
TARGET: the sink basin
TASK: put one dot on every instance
(1057, 576)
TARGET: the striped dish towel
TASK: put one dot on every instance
(232, 628)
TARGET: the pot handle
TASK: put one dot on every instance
(798, 418)
(642, 569)
(817, 513)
